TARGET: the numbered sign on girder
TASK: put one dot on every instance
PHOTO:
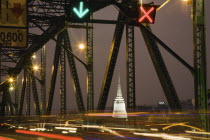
(13, 23)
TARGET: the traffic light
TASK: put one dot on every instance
(80, 11)
(147, 14)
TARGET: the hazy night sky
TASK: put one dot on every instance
(173, 26)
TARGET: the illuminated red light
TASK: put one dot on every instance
(61, 137)
(3, 138)
(146, 14)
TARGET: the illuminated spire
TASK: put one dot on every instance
(119, 91)
(119, 103)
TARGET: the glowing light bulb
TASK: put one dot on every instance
(81, 46)
(35, 67)
(11, 80)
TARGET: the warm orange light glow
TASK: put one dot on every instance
(35, 67)
(11, 80)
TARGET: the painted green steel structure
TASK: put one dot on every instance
(200, 76)
(52, 18)
(43, 78)
(90, 74)
(130, 68)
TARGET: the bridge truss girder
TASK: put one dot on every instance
(162, 72)
(50, 14)
(200, 76)
(130, 67)
(115, 46)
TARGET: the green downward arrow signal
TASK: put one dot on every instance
(80, 13)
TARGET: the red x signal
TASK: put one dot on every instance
(146, 14)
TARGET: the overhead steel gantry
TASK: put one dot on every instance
(48, 20)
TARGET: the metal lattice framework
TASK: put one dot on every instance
(47, 20)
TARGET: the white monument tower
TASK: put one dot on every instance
(119, 104)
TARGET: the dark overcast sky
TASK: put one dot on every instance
(173, 26)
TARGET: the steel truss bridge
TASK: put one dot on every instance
(49, 17)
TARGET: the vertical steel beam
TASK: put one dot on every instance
(10, 105)
(89, 57)
(2, 101)
(3, 104)
(208, 96)
(53, 79)
(16, 95)
(62, 75)
(20, 110)
(130, 67)
(162, 72)
(5, 97)
(200, 78)
(28, 94)
(115, 46)
(75, 78)
(43, 77)
(0, 64)
(35, 95)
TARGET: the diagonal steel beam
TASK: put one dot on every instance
(74, 74)
(147, 31)
(53, 79)
(162, 71)
(115, 46)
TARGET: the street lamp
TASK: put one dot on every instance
(35, 67)
(81, 46)
(11, 79)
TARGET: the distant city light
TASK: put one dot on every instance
(66, 128)
(11, 88)
(34, 56)
(161, 103)
(41, 129)
(65, 132)
(72, 131)
(81, 46)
